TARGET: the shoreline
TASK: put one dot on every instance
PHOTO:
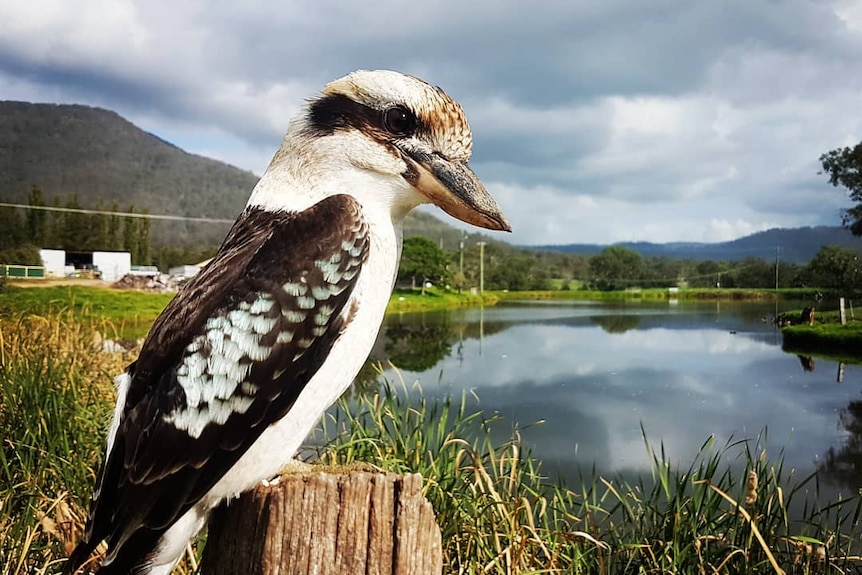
(140, 308)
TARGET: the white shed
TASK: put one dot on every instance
(54, 262)
(113, 265)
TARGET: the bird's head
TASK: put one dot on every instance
(388, 138)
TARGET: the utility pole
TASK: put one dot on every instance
(481, 266)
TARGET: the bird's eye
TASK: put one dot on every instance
(399, 121)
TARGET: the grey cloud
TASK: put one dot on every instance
(617, 109)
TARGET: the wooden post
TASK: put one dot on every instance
(841, 311)
(356, 523)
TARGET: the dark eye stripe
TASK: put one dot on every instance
(338, 112)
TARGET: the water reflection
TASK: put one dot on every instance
(843, 465)
(595, 373)
(807, 362)
(420, 345)
(617, 323)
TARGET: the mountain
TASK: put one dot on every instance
(97, 155)
(797, 245)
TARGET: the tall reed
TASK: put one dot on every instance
(55, 399)
(726, 512)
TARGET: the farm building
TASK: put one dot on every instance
(110, 266)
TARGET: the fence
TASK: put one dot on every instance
(17, 271)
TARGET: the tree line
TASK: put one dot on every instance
(505, 267)
(615, 268)
(25, 231)
(73, 231)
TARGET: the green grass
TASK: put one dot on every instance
(126, 314)
(131, 309)
(829, 339)
(434, 298)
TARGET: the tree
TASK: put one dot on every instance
(114, 240)
(459, 281)
(616, 267)
(752, 272)
(25, 254)
(844, 167)
(37, 220)
(130, 233)
(14, 229)
(422, 260)
(55, 226)
(76, 227)
(834, 267)
(144, 239)
(518, 273)
(99, 228)
(707, 274)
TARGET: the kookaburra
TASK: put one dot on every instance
(241, 365)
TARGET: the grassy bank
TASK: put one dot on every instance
(415, 300)
(125, 313)
(497, 511)
(129, 309)
(829, 339)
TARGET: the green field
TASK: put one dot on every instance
(85, 301)
(130, 310)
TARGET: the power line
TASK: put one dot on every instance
(123, 214)
(688, 277)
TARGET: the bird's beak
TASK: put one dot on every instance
(453, 186)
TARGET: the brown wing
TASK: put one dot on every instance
(228, 357)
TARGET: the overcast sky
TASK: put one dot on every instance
(594, 121)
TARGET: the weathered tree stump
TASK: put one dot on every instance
(356, 523)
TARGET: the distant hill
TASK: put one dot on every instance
(96, 154)
(796, 245)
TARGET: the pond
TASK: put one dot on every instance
(594, 373)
